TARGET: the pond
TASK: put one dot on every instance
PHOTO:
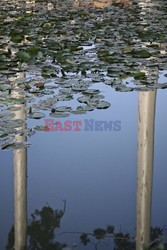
(82, 85)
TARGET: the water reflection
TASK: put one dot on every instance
(146, 118)
(20, 174)
(41, 235)
(102, 3)
(32, 4)
(145, 168)
(40, 230)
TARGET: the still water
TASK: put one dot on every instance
(89, 175)
(94, 171)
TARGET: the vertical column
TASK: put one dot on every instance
(146, 117)
(20, 175)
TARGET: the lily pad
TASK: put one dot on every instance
(41, 128)
(36, 115)
(78, 112)
(103, 105)
(140, 53)
(59, 114)
(63, 109)
(79, 88)
(64, 97)
(83, 99)
(66, 91)
(139, 75)
(7, 115)
(14, 145)
(91, 92)
(85, 108)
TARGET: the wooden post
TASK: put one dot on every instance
(20, 198)
(20, 179)
(146, 117)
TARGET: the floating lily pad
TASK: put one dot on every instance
(59, 114)
(67, 85)
(79, 88)
(3, 134)
(83, 99)
(123, 88)
(14, 108)
(36, 115)
(140, 53)
(63, 109)
(103, 105)
(78, 112)
(91, 92)
(66, 91)
(64, 97)
(23, 56)
(14, 145)
(139, 75)
(47, 92)
(12, 123)
(7, 115)
(85, 108)
(41, 128)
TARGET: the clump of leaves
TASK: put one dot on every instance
(41, 228)
(123, 241)
(23, 56)
(84, 239)
(140, 53)
(139, 75)
(17, 38)
(99, 233)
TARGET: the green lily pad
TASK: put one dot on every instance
(139, 75)
(66, 91)
(78, 112)
(41, 128)
(14, 145)
(91, 92)
(85, 108)
(7, 115)
(59, 114)
(64, 97)
(63, 109)
(140, 53)
(23, 56)
(36, 115)
(83, 99)
(79, 88)
(103, 105)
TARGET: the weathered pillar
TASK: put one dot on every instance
(146, 117)
(20, 177)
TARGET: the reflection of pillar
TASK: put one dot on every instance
(146, 115)
(101, 3)
(20, 180)
(20, 197)
(30, 4)
(50, 6)
(76, 3)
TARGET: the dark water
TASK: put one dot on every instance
(95, 172)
